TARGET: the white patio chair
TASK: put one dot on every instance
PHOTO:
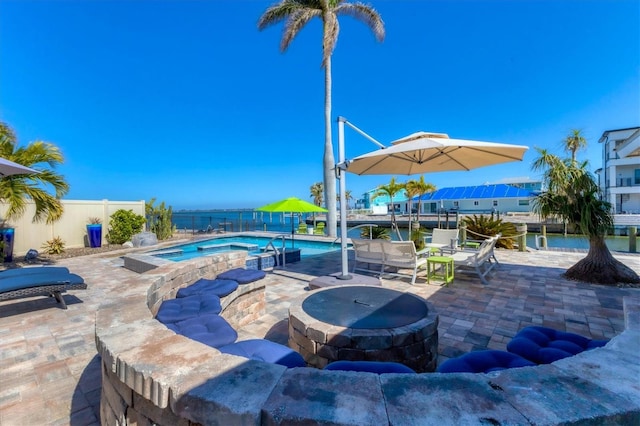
(480, 261)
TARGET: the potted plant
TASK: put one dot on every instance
(6, 241)
(94, 232)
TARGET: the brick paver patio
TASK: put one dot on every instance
(50, 372)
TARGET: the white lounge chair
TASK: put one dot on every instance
(480, 261)
(443, 239)
(403, 255)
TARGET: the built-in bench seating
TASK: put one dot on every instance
(152, 375)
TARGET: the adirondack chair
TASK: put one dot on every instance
(480, 261)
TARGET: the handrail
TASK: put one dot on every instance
(362, 225)
(276, 251)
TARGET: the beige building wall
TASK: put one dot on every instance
(72, 226)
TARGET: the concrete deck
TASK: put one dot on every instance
(50, 371)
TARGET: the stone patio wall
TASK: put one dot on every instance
(151, 375)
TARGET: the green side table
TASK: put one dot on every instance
(445, 272)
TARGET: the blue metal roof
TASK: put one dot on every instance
(477, 192)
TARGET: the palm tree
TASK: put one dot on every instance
(391, 189)
(573, 142)
(17, 189)
(317, 190)
(296, 14)
(573, 194)
(419, 188)
(347, 197)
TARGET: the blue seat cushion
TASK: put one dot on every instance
(210, 329)
(265, 350)
(483, 362)
(242, 276)
(174, 310)
(216, 287)
(370, 367)
(544, 345)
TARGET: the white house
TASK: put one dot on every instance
(619, 178)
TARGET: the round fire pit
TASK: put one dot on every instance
(364, 323)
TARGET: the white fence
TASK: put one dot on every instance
(72, 226)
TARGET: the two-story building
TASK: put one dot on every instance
(619, 177)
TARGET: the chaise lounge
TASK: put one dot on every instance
(39, 282)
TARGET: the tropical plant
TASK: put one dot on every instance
(482, 227)
(347, 197)
(54, 246)
(15, 190)
(296, 14)
(419, 188)
(391, 189)
(95, 221)
(123, 225)
(375, 232)
(574, 142)
(317, 192)
(572, 193)
(159, 219)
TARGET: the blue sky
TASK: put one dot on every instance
(187, 102)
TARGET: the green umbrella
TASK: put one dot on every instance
(291, 205)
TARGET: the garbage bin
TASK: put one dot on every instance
(6, 236)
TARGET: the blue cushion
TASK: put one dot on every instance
(483, 362)
(242, 276)
(216, 287)
(265, 350)
(370, 367)
(175, 310)
(212, 330)
(20, 272)
(544, 345)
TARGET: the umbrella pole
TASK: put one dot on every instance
(343, 211)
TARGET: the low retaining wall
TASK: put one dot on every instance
(152, 375)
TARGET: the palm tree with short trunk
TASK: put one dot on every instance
(573, 194)
(317, 191)
(391, 189)
(296, 14)
(16, 190)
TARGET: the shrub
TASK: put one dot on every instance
(159, 220)
(54, 246)
(123, 225)
(480, 227)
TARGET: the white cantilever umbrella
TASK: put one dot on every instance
(424, 152)
(8, 168)
(417, 153)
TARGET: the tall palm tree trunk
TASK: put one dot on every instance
(328, 159)
(599, 266)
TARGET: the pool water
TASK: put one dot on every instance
(253, 245)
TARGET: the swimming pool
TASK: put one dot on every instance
(252, 244)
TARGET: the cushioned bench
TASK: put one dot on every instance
(483, 362)
(242, 276)
(544, 345)
(215, 287)
(175, 310)
(210, 329)
(265, 350)
(370, 367)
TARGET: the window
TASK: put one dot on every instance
(455, 204)
(475, 203)
(495, 203)
(523, 202)
(637, 176)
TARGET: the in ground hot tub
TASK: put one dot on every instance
(364, 323)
